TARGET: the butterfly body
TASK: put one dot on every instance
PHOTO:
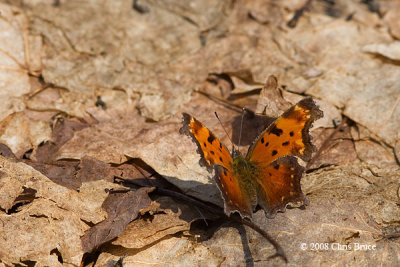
(269, 175)
(243, 167)
(246, 172)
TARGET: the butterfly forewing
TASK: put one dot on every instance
(287, 135)
(279, 185)
(210, 148)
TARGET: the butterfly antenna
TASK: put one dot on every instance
(233, 146)
(241, 125)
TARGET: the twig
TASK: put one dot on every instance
(229, 104)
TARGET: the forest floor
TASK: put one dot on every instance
(94, 171)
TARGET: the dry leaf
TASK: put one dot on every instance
(53, 221)
(20, 133)
(176, 251)
(391, 18)
(122, 79)
(270, 101)
(121, 209)
(391, 51)
(20, 55)
(166, 217)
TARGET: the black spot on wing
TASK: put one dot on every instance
(211, 138)
(274, 152)
(275, 130)
(285, 143)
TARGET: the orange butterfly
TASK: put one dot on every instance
(269, 175)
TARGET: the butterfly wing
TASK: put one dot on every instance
(279, 184)
(235, 198)
(287, 135)
(274, 152)
(212, 151)
(215, 155)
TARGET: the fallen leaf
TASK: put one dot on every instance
(20, 56)
(166, 217)
(177, 251)
(121, 209)
(270, 101)
(390, 18)
(20, 133)
(53, 221)
(107, 95)
(62, 131)
(91, 169)
(391, 51)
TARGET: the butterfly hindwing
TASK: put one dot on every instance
(235, 198)
(279, 184)
(287, 135)
(212, 151)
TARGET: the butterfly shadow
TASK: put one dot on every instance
(246, 130)
(206, 231)
(207, 218)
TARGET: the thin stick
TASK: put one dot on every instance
(226, 103)
(241, 126)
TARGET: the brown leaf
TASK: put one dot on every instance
(20, 57)
(339, 149)
(91, 169)
(72, 174)
(176, 250)
(270, 101)
(6, 152)
(165, 217)
(121, 209)
(53, 218)
(20, 133)
(145, 68)
(63, 131)
(60, 172)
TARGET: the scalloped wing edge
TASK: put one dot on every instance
(298, 175)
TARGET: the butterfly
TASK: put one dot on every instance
(269, 175)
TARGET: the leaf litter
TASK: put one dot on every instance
(95, 104)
